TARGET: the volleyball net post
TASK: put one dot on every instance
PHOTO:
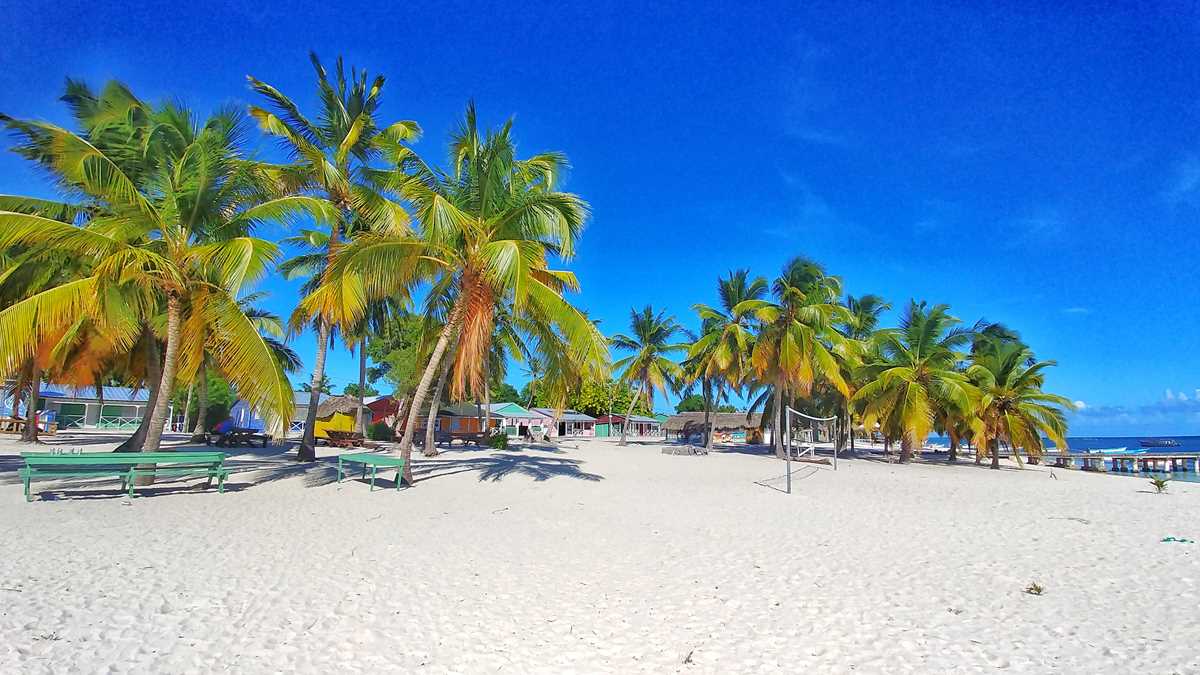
(810, 435)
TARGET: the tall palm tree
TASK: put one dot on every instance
(720, 356)
(649, 367)
(914, 372)
(858, 327)
(488, 227)
(329, 159)
(1012, 407)
(175, 241)
(795, 342)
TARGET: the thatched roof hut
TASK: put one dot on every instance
(331, 405)
(690, 423)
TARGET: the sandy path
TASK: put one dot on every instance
(607, 559)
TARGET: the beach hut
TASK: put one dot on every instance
(336, 413)
(248, 418)
(116, 408)
(570, 423)
(639, 425)
(516, 420)
(735, 427)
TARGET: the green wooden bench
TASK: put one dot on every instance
(372, 460)
(124, 465)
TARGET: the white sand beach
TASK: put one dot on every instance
(602, 559)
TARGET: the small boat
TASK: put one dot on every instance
(1159, 443)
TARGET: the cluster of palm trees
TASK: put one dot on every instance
(142, 273)
(798, 342)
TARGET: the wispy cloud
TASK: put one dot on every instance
(1175, 413)
(810, 212)
(808, 97)
(1184, 185)
(1076, 310)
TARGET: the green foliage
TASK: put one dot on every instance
(1159, 484)
(695, 403)
(598, 398)
(379, 431)
(397, 351)
(498, 440)
(352, 390)
(506, 393)
(324, 388)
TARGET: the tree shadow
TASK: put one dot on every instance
(501, 465)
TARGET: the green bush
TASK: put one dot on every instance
(498, 441)
(380, 431)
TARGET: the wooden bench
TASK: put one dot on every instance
(124, 465)
(237, 436)
(374, 461)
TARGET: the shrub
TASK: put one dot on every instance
(1034, 588)
(1159, 485)
(498, 441)
(380, 431)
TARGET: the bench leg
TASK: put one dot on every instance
(28, 497)
(221, 481)
(398, 472)
(339, 469)
(373, 478)
(131, 476)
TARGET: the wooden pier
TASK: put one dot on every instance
(1126, 462)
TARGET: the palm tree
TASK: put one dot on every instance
(720, 356)
(795, 343)
(489, 226)
(648, 367)
(858, 327)
(330, 157)
(913, 373)
(175, 241)
(1012, 407)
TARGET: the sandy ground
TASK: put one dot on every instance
(603, 559)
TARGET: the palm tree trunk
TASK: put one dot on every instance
(625, 424)
(777, 425)
(711, 422)
(30, 434)
(906, 449)
(153, 374)
(401, 411)
(953, 455)
(307, 452)
(170, 361)
(201, 404)
(430, 447)
(707, 415)
(850, 426)
(487, 409)
(187, 405)
(418, 398)
(362, 384)
(994, 446)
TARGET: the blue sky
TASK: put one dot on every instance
(1039, 167)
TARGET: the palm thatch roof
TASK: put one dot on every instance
(693, 422)
(337, 404)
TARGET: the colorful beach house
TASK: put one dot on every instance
(639, 425)
(335, 413)
(118, 408)
(570, 423)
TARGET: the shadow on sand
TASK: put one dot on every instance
(253, 467)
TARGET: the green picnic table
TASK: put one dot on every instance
(374, 461)
(124, 465)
